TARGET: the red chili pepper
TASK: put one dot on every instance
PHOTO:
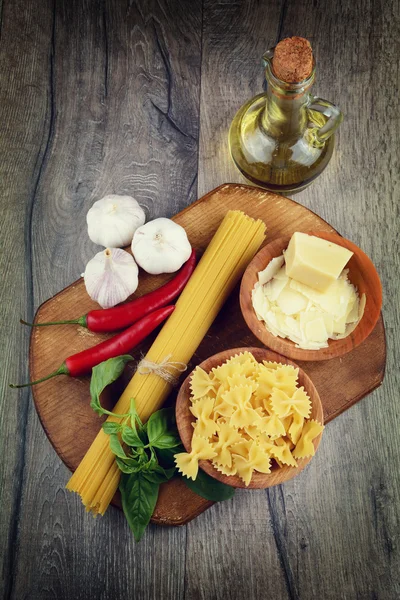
(83, 362)
(119, 317)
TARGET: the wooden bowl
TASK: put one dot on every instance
(184, 419)
(362, 274)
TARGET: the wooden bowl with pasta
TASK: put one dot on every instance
(259, 480)
(362, 274)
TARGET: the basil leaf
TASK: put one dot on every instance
(169, 473)
(142, 433)
(135, 419)
(102, 375)
(143, 457)
(158, 475)
(116, 447)
(127, 467)
(161, 429)
(132, 461)
(154, 478)
(109, 427)
(166, 455)
(131, 438)
(209, 488)
(139, 498)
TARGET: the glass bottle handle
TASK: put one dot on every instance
(332, 112)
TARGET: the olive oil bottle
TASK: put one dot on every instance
(281, 140)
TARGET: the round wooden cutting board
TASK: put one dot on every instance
(341, 382)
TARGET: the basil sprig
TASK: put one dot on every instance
(145, 452)
(102, 375)
(209, 488)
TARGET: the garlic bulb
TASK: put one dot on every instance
(111, 276)
(161, 246)
(113, 220)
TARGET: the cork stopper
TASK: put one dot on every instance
(293, 60)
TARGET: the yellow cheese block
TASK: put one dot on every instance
(314, 261)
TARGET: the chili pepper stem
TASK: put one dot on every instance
(62, 370)
(81, 321)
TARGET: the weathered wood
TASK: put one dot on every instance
(24, 129)
(335, 525)
(120, 83)
(231, 74)
(339, 519)
(331, 533)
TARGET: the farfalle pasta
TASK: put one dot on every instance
(188, 462)
(227, 438)
(256, 460)
(200, 384)
(203, 410)
(284, 405)
(248, 417)
(304, 446)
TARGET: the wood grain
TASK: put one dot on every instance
(184, 420)
(99, 97)
(355, 45)
(362, 274)
(77, 81)
(23, 139)
(335, 536)
(72, 436)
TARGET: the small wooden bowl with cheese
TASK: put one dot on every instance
(361, 273)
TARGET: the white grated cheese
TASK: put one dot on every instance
(306, 316)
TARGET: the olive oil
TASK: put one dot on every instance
(283, 139)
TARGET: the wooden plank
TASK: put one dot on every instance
(235, 36)
(231, 549)
(340, 517)
(334, 526)
(24, 130)
(124, 93)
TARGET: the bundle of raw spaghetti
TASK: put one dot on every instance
(228, 254)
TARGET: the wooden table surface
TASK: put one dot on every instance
(136, 98)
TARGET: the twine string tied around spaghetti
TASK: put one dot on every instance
(162, 368)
